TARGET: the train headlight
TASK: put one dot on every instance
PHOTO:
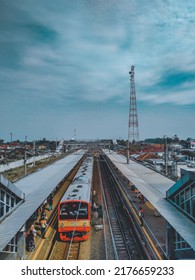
(62, 225)
(84, 225)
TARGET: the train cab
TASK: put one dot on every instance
(74, 220)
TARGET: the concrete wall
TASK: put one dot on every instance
(18, 163)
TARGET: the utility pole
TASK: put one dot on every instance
(11, 134)
(75, 136)
(127, 151)
(25, 159)
(165, 155)
(133, 130)
(25, 141)
(34, 152)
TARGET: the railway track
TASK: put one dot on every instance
(147, 245)
(73, 251)
(120, 248)
(124, 242)
(119, 239)
(64, 250)
(59, 251)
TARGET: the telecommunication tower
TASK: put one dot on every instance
(133, 130)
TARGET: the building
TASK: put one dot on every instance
(182, 196)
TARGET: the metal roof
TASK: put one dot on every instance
(36, 187)
(154, 186)
(12, 187)
(80, 188)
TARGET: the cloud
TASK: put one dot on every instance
(76, 55)
(179, 98)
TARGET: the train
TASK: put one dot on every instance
(74, 209)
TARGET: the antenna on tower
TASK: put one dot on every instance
(133, 130)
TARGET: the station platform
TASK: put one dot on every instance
(162, 220)
(42, 245)
(36, 188)
(154, 225)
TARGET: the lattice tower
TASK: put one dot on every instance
(133, 130)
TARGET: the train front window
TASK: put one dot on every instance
(73, 210)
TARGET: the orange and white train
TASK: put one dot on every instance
(74, 208)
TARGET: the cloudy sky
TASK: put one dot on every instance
(64, 67)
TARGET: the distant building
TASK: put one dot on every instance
(192, 145)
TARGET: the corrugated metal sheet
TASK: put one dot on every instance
(37, 188)
(80, 188)
(154, 186)
(12, 187)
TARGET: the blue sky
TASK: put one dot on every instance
(64, 65)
